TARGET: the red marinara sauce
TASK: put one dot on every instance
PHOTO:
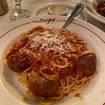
(100, 8)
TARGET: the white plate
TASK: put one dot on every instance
(11, 91)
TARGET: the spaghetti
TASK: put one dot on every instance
(52, 62)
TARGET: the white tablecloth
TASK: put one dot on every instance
(28, 4)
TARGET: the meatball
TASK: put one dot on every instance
(87, 63)
(17, 62)
(40, 86)
(38, 28)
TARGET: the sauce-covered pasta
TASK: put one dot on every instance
(51, 62)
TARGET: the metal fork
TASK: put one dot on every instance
(77, 10)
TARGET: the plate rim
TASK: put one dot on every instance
(98, 32)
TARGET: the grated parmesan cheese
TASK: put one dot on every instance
(47, 40)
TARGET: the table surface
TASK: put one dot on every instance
(31, 5)
(27, 4)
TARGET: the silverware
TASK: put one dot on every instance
(77, 9)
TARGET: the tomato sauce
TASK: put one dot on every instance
(100, 8)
